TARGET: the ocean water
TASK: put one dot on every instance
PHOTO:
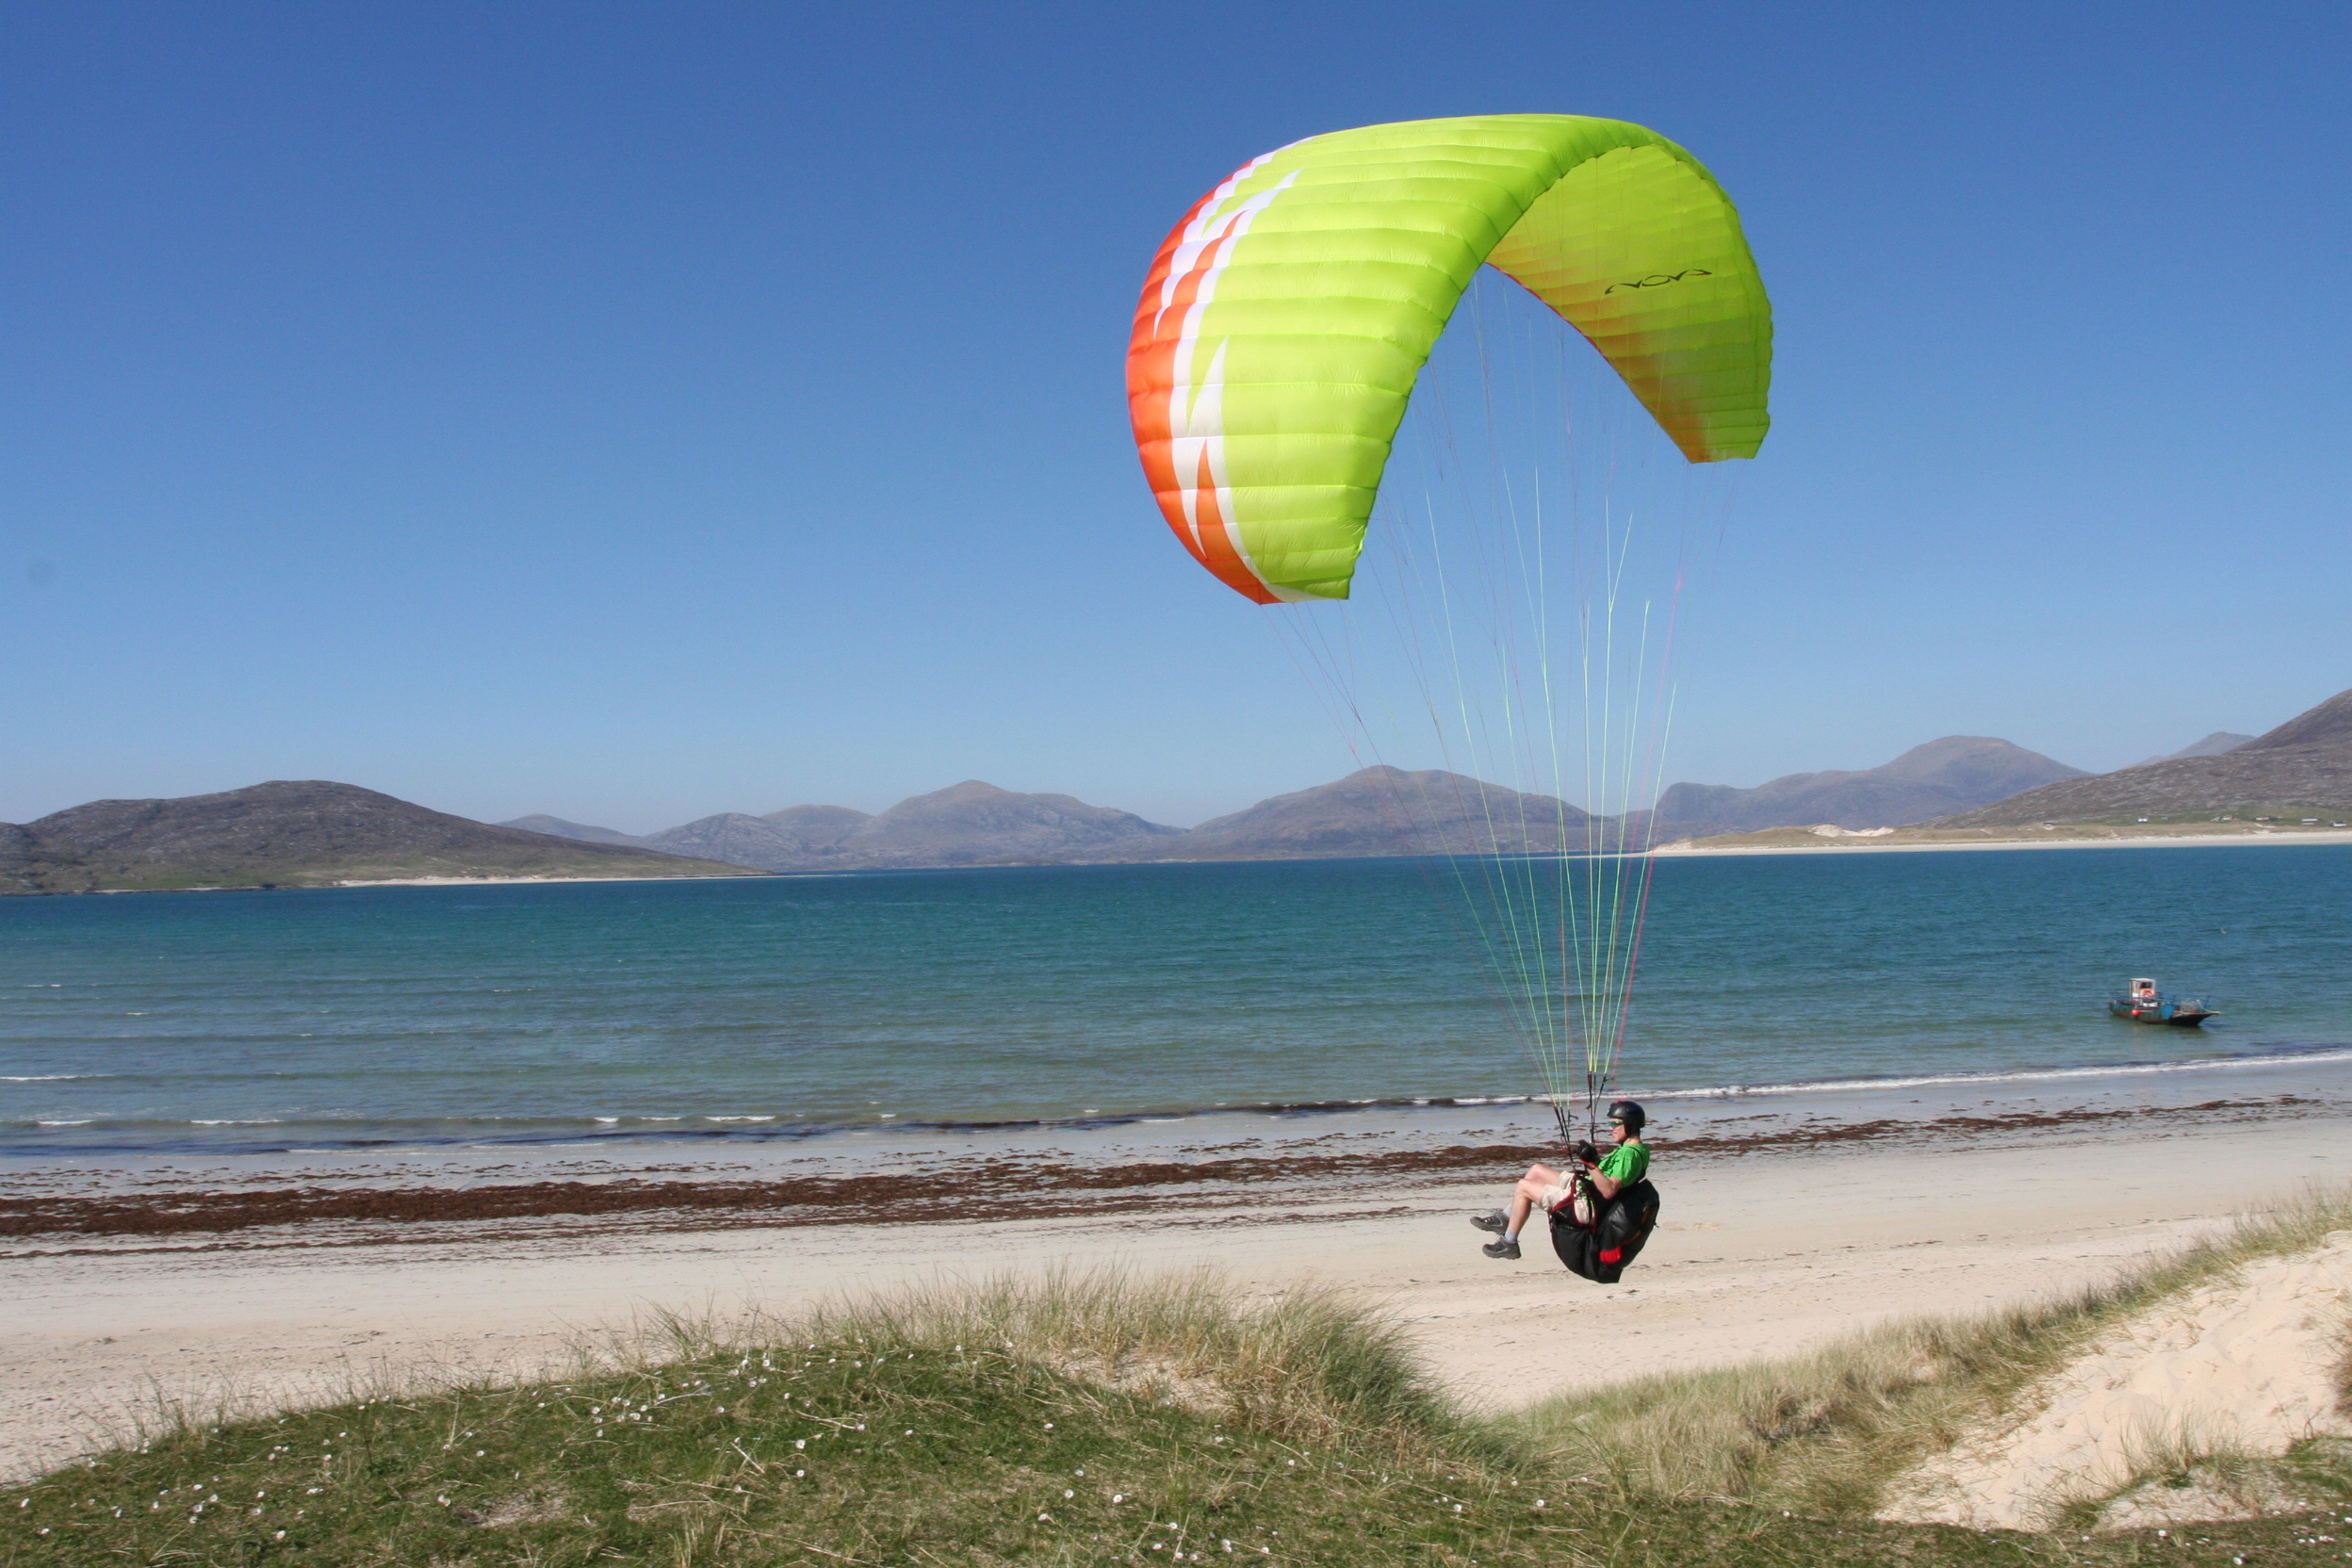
(146, 1023)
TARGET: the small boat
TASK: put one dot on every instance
(2145, 1003)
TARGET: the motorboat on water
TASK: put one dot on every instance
(2145, 1003)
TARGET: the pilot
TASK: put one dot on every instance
(1627, 1162)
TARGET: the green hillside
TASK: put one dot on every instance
(305, 834)
(2302, 768)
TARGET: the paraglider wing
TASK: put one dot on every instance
(1286, 317)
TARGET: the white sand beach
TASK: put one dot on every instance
(1858, 844)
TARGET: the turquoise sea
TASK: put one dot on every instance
(761, 1009)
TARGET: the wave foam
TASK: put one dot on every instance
(2322, 1056)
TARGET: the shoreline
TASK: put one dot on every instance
(502, 881)
(1845, 843)
(1001, 1189)
(393, 882)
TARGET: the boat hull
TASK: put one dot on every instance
(2177, 1015)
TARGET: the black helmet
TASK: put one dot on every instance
(1629, 1112)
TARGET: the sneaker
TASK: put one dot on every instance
(1501, 1249)
(1496, 1221)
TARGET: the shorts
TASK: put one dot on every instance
(1573, 1193)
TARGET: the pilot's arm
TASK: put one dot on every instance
(1607, 1186)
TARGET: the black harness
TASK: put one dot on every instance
(1620, 1227)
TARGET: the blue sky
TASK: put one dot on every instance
(634, 412)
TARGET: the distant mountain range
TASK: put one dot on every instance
(1375, 811)
(316, 833)
(289, 834)
(1960, 779)
(2302, 768)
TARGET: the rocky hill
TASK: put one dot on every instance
(970, 824)
(974, 824)
(1936, 779)
(1385, 810)
(2302, 768)
(2212, 745)
(819, 829)
(295, 835)
(799, 838)
(557, 828)
(746, 839)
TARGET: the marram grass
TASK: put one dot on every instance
(1085, 1419)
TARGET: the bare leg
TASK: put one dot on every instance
(1528, 1193)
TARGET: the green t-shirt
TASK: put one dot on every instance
(1629, 1163)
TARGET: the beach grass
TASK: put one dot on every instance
(1083, 1419)
(1829, 1433)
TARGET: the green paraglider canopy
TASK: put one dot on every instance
(1288, 315)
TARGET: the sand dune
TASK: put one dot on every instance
(2247, 1365)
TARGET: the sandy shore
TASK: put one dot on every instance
(1857, 845)
(1786, 1222)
